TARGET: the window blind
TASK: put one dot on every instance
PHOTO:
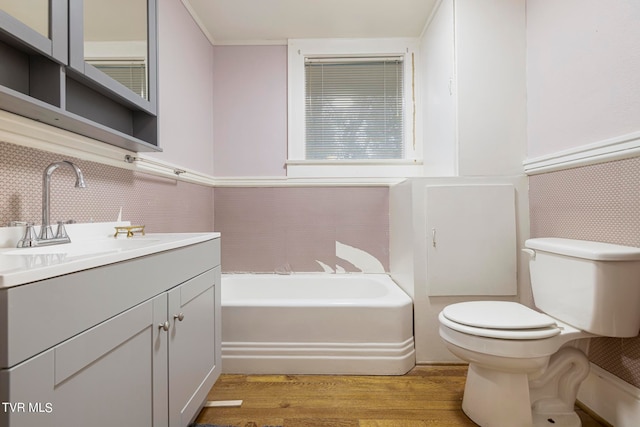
(131, 74)
(354, 108)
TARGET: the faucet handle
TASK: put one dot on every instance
(46, 233)
(17, 223)
(61, 232)
(30, 239)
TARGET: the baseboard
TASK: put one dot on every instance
(614, 400)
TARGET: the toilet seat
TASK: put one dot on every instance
(499, 319)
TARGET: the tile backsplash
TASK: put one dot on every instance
(303, 229)
(162, 204)
(602, 203)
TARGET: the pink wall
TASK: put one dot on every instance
(250, 110)
(599, 203)
(284, 228)
(583, 65)
(185, 97)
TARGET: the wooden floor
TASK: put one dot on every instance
(426, 396)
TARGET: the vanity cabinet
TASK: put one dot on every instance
(52, 74)
(149, 364)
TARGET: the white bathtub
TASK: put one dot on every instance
(316, 324)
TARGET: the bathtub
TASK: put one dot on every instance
(360, 324)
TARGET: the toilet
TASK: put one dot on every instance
(523, 370)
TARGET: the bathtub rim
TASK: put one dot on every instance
(399, 298)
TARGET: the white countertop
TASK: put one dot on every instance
(92, 245)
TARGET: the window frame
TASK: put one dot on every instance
(298, 51)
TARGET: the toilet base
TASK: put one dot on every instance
(494, 398)
(501, 399)
(497, 399)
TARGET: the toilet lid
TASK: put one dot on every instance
(499, 319)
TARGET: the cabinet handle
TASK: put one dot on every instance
(179, 316)
(164, 326)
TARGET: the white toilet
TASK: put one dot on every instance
(521, 373)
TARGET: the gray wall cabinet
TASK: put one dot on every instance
(46, 78)
(151, 364)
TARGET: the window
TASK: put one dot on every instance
(352, 108)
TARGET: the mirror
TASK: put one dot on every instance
(116, 41)
(33, 13)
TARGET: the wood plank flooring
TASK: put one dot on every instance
(426, 396)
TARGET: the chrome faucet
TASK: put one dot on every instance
(46, 234)
(47, 237)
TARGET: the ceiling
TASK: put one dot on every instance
(275, 21)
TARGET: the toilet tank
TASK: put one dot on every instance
(590, 285)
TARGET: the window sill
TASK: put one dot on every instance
(354, 168)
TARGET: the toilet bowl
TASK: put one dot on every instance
(523, 369)
(504, 358)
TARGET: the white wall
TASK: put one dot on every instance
(491, 86)
(408, 236)
(474, 88)
(437, 52)
(583, 63)
(474, 126)
(185, 90)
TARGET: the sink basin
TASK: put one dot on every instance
(85, 248)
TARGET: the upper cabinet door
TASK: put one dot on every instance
(39, 25)
(112, 45)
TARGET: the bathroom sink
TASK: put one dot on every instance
(86, 248)
(92, 245)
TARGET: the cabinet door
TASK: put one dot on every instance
(471, 240)
(102, 377)
(104, 34)
(39, 25)
(193, 367)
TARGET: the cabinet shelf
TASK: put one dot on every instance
(33, 108)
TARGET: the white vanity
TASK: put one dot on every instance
(109, 332)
